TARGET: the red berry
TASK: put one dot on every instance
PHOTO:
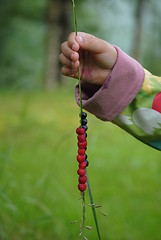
(80, 131)
(82, 144)
(82, 187)
(81, 172)
(82, 165)
(81, 138)
(80, 158)
(82, 179)
(81, 151)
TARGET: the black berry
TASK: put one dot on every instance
(84, 122)
(83, 115)
(85, 127)
(87, 163)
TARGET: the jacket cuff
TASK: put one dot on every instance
(119, 90)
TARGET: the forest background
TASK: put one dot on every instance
(38, 117)
(31, 34)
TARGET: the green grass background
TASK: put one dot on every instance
(38, 181)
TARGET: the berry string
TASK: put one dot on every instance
(82, 156)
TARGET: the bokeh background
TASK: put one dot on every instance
(38, 117)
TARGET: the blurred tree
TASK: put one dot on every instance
(28, 56)
(58, 26)
(138, 28)
(22, 41)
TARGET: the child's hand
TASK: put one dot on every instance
(95, 56)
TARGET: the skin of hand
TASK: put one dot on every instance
(94, 56)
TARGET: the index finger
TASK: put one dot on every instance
(72, 43)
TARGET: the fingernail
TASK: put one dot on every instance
(80, 39)
(73, 47)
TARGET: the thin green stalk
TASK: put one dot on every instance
(84, 208)
(75, 26)
(93, 206)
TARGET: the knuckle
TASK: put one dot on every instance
(91, 38)
(71, 35)
(63, 70)
(60, 58)
(63, 46)
(71, 38)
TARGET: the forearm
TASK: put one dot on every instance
(142, 118)
(126, 99)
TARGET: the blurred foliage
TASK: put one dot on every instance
(22, 40)
(24, 35)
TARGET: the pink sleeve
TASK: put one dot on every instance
(119, 90)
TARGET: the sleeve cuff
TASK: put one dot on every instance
(119, 90)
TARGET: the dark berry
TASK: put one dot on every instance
(85, 127)
(82, 187)
(85, 156)
(80, 131)
(87, 163)
(83, 115)
(81, 172)
(84, 122)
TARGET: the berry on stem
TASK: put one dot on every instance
(84, 122)
(80, 158)
(81, 172)
(82, 179)
(82, 165)
(81, 138)
(83, 115)
(82, 187)
(87, 163)
(85, 127)
(82, 145)
(81, 151)
(80, 131)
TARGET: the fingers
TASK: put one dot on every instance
(69, 72)
(69, 57)
(68, 63)
(72, 43)
(69, 68)
(68, 52)
(91, 43)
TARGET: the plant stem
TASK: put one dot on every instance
(84, 208)
(75, 26)
(93, 206)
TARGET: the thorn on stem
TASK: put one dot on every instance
(102, 213)
(85, 238)
(95, 205)
(89, 227)
(75, 221)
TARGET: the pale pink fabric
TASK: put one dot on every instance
(119, 90)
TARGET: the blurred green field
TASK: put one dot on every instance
(38, 181)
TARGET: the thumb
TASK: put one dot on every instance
(91, 43)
